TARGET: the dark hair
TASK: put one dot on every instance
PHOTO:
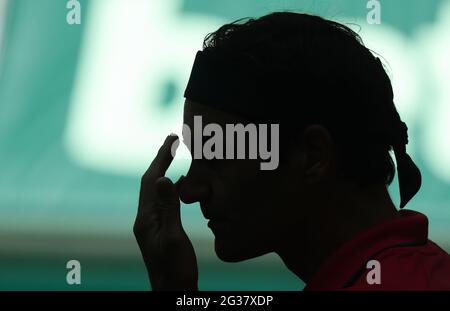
(352, 93)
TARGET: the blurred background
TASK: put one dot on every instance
(84, 107)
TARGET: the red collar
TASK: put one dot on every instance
(410, 227)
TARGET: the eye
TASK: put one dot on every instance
(210, 163)
(204, 164)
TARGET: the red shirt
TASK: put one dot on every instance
(408, 260)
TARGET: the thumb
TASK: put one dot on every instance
(169, 203)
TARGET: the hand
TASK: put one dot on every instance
(167, 251)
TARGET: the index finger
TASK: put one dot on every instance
(163, 159)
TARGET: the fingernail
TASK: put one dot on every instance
(170, 137)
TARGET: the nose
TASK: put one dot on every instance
(193, 189)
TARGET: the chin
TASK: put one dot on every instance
(233, 251)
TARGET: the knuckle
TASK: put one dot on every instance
(144, 224)
(137, 229)
(145, 179)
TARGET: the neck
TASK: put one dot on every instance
(346, 213)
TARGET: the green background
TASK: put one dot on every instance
(54, 208)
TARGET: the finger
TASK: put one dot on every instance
(157, 168)
(162, 207)
(163, 159)
(168, 202)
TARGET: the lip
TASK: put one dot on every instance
(206, 213)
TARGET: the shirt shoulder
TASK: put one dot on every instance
(425, 267)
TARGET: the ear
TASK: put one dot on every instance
(316, 153)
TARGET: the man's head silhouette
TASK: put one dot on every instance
(338, 124)
(324, 207)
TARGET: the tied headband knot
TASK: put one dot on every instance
(399, 139)
(409, 177)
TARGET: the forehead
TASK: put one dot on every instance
(208, 114)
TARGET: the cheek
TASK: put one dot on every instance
(248, 197)
(245, 193)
